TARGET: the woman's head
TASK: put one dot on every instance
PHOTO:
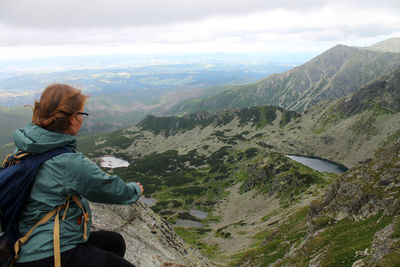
(58, 107)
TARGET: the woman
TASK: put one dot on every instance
(56, 121)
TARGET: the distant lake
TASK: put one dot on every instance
(188, 223)
(318, 164)
(113, 162)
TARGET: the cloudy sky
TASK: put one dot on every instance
(44, 28)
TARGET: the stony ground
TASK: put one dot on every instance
(150, 241)
(244, 215)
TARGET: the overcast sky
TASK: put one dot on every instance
(44, 28)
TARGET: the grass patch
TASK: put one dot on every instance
(284, 177)
(273, 245)
(192, 236)
(343, 239)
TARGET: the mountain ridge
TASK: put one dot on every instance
(346, 138)
(384, 92)
(335, 73)
(389, 45)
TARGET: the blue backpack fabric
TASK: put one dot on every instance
(15, 185)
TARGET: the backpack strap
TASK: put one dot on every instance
(56, 239)
(12, 159)
(47, 217)
(84, 214)
(56, 229)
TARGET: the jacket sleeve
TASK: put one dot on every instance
(87, 179)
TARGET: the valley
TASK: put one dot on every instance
(217, 145)
(231, 165)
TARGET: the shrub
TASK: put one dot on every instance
(176, 178)
(166, 212)
(189, 191)
(118, 139)
(186, 216)
(251, 152)
(189, 201)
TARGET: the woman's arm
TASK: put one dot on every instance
(87, 179)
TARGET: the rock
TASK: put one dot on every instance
(359, 263)
(384, 182)
(331, 192)
(341, 215)
(150, 240)
(382, 245)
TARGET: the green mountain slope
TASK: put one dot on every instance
(335, 73)
(258, 116)
(389, 45)
(355, 223)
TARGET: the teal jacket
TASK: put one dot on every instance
(61, 176)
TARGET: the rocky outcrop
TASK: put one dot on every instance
(384, 92)
(383, 244)
(367, 189)
(150, 240)
(279, 176)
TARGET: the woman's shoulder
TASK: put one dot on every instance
(71, 161)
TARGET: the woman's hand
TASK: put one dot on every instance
(141, 188)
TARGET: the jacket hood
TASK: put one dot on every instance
(35, 139)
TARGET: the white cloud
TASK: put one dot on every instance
(48, 27)
(117, 13)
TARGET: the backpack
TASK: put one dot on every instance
(17, 175)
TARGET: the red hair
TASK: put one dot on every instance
(58, 103)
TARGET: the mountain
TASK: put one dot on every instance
(389, 45)
(350, 129)
(335, 73)
(263, 208)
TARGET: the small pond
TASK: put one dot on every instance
(150, 202)
(188, 223)
(112, 162)
(198, 214)
(318, 164)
